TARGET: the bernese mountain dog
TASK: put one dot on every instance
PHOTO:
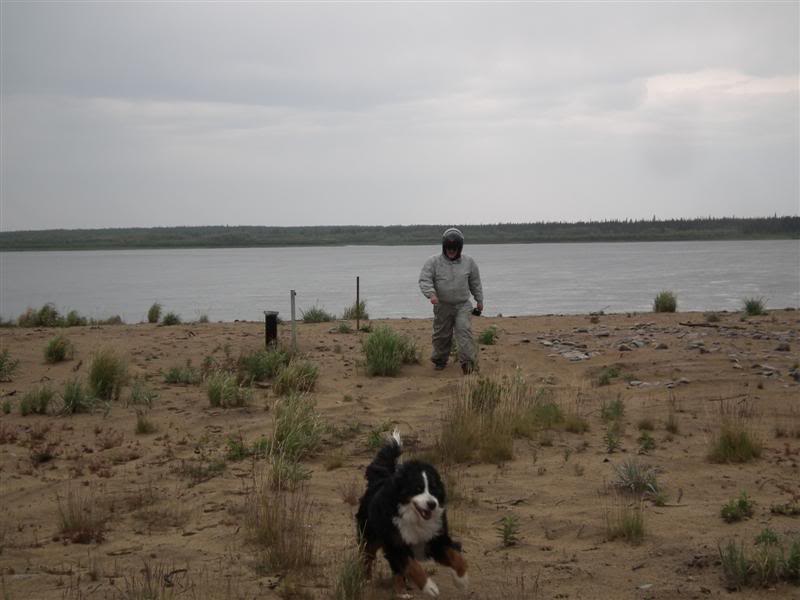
(403, 513)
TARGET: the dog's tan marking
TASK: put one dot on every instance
(454, 560)
(416, 573)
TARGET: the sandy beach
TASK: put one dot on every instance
(174, 500)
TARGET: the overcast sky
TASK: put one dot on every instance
(145, 114)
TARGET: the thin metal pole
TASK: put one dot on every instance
(358, 304)
(294, 325)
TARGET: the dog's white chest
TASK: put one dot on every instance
(414, 530)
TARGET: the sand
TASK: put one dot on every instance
(162, 521)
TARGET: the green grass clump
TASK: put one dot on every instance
(625, 521)
(343, 327)
(223, 391)
(59, 349)
(386, 351)
(488, 337)
(735, 443)
(357, 310)
(508, 530)
(635, 477)
(144, 426)
(171, 318)
(187, 375)
(737, 509)
(80, 519)
(8, 365)
(36, 401)
(261, 364)
(350, 577)
(607, 374)
(75, 398)
(298, 376)
(316, 314)
(766, 566)
(665, 301)
(108, 373)
(142, 394)
(754, 307)
(297, 428)
(612, 411)
(154, 313)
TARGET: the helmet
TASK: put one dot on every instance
(452, 239)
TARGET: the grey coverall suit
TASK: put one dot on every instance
(452, 281)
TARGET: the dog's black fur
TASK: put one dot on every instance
(403, 512)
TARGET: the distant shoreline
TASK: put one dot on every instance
(710, 229)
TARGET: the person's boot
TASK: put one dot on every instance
(439, 365)
(468, 367)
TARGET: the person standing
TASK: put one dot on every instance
(447, 280)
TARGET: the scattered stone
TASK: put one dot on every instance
(581, 330)
(602, 334)
(683, 381)
(662, 346)
(783, 348)
(574, 355)
(624, 348)
(546, 343)
(634, 383)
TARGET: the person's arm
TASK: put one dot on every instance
(475, 287)
(426, 278)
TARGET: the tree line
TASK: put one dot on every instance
(223, 236)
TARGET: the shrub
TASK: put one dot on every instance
(735, 565)
(47, 316)
(280, 524)
(646, 442)
(286, 473)
(154, 313)
(357, 310)
(297, 377)
(488, 337)
(142, 394)
(735, 443)
(612, 411)
(625, 521)
(386, 350)
(75, 320)
(343, 327)
(737, 509)
(58, 349)
(754, 307)
(80, 518)
(665, 301)
(613, 436)
(223, 391)
(7, 365)
(315, 314)
(350, 577)
(171, 318)
(36, 401)
(75, 399)
(203, 318)
(607, 374)
(261, 364)
(144, 426)
(297, 428)
(636, 477)
(508, 530)
(187, 375)
(107, 374)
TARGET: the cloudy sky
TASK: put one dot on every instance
(145, 114)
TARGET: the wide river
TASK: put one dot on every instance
(518, 279)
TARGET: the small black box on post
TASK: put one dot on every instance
(270, 328)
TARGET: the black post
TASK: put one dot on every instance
(358, 304)
(270, 328)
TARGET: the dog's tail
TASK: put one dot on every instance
(385, 462)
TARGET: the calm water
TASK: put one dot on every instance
(229, 284)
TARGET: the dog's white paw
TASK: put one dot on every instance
(461, 582)
(396, 437)
(431, 588)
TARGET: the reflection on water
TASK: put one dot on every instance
(518, 279)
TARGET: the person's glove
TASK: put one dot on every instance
(476, 311)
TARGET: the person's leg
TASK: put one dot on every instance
(463, 334)
(443, 321)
